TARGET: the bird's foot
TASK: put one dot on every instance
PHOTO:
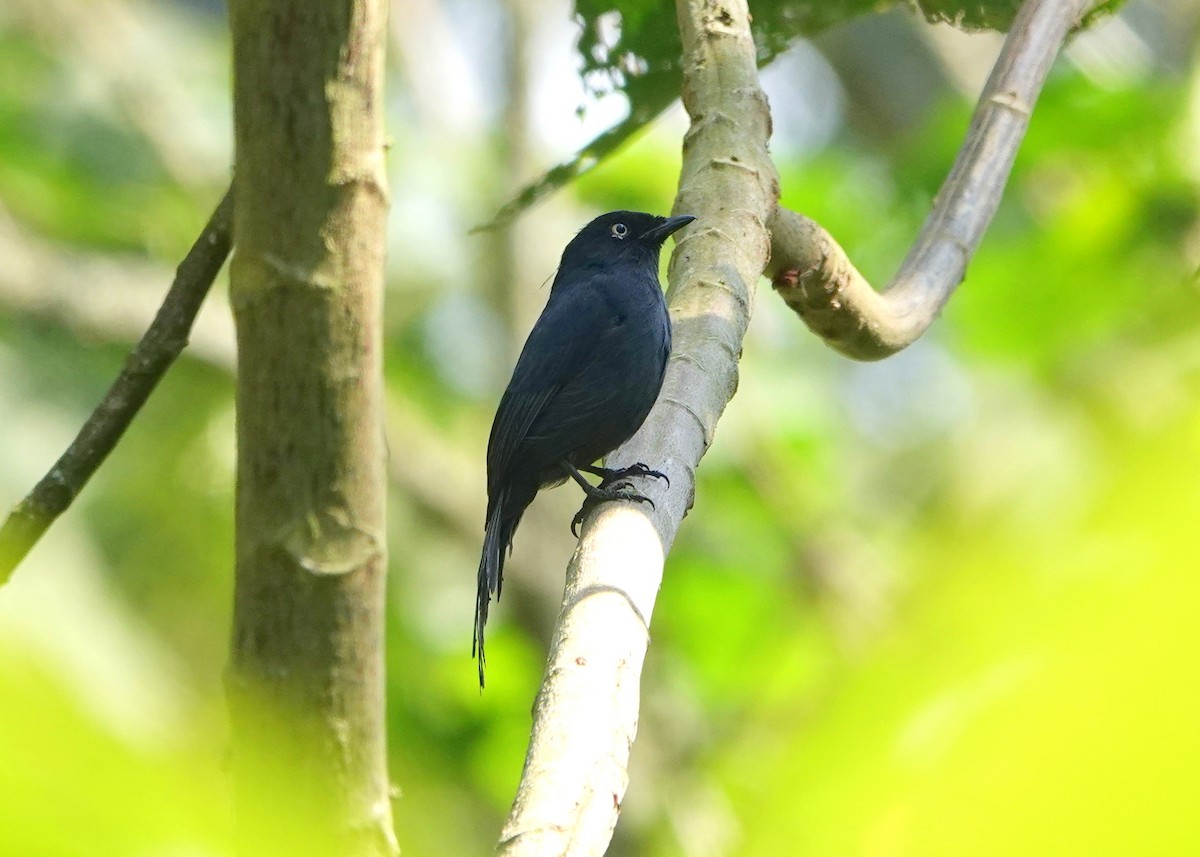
(606, 493)
(608, 475)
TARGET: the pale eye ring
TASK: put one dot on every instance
(619, 230)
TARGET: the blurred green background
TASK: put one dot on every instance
(941, 605)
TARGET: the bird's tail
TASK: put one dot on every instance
(497, 536)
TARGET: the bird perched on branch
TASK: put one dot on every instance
(586, 379)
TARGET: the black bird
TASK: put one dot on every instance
(586, 379)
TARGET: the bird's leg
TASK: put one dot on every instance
(600, 494)
(608, 474)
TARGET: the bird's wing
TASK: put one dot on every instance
(515, 415)
(567, 337)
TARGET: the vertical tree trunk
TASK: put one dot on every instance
(306, 678)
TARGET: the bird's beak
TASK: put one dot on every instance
(671, 224)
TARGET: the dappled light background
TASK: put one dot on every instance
(940, 605)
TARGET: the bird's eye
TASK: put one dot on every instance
(619, 230)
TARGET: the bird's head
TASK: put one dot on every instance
(622, 235)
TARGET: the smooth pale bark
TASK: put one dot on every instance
(306, 680)
(816, 278)
(585, 718)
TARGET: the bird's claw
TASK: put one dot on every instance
(640, 469)
(604, 494)
(637, 469)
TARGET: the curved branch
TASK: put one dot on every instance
(816, 278)
(586, 713)
(145, 366)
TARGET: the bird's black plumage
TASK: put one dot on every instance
(586, 379)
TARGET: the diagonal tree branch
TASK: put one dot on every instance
(434, 474)
(585, 718)
(586, 713)
(817, 279)
(145, 366)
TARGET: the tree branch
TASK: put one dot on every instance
(817, 279)
(145, 366)
(586, 713)
(41, 279)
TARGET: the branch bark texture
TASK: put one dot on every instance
(306, 682)
(817, 279)
(586, 713)
(144, 368)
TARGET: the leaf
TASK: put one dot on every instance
(632, 47)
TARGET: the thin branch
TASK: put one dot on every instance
(145, 366)
(40, 279)
(816, 278)
(587, 711)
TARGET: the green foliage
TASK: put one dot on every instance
(72, 784)
(633, 47)
(992, 16)
(643, 62)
